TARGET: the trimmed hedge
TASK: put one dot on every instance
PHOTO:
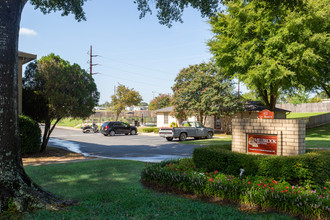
(30, 135)
(150, 130)
(308, 169)
(253, 191)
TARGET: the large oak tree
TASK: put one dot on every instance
(274, 49)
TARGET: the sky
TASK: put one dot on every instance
(138, 53)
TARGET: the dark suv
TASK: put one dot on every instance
(116, 127)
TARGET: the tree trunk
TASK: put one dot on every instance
(201, 117)
(326, 89)
(227, 124)
(269, 100)
(15, 186)
(48, 130)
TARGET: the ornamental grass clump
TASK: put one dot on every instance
(251, 190)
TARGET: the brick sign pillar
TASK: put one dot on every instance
(282, 137)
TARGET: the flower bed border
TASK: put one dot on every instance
(176, 178)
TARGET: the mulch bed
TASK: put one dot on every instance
(53, 155)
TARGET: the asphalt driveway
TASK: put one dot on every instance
(141, 147)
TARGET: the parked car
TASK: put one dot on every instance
(116, 127)
(87, 128)
(188, 129)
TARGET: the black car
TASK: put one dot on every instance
(116, 127)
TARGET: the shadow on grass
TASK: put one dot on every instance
(111, 189)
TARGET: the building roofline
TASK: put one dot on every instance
(26, 57)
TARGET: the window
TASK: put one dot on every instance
(199, 125)
(123, 124)
(217, 122)
(166, 118)
(118, 124)
(186, 124)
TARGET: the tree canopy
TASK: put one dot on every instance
(161, 101)
(273, 49)
(63, 90)
(124, 97)
(203, 90)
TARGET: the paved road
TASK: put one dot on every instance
(132, 147)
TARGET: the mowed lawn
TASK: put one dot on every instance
(111, 189)
(318, 137)
(293, 115)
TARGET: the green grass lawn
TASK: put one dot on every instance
(210, 142)
(110, 189)
(293, 115)
(318, 137)
(69, 122)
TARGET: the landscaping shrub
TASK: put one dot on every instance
(150, 130)
(30, 135)
(223, 160)
(308, 169)
(263, 192)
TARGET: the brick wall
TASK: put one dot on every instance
(290, 134)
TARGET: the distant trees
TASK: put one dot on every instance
(144, 104)
(273, 49)
(122, 98)
(161, 101)
(203, 90)
(54, 89)
(301, 96)
(106, 104)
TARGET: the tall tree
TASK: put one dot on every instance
(124, 97)
(311, 28)
(161, 101)
(202, 90)
(64, 90)
(272, 49)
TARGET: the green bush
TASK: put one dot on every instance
(150, 130)
(260, 191)
(309, 169)
(30, 135)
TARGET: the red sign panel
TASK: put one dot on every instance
(266, 114)
(262, 144)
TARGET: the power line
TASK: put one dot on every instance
(136, 65)
(140, 74)
(125, 79)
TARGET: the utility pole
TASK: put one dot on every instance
(91, 61)
(238, 88)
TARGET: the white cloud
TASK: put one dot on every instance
(28, 32)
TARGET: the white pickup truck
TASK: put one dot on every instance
(188, 129)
